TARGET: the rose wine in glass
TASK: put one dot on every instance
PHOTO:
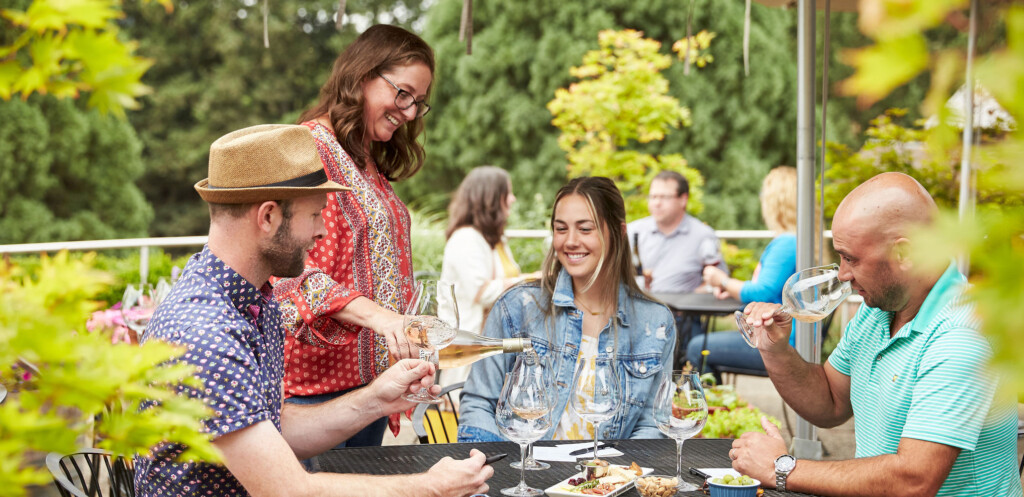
(530, 363)
(431, 323)
(523, 416)
(808, 296)
(680, 411)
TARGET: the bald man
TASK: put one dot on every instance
(911, 367)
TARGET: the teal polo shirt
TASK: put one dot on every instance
(930, 382)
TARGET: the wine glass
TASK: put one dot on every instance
(680, 412)
(522, 415)
(809, 296)
(710, 255)
(431, 322)
(596, 392)
(139, 303)
(531, 363)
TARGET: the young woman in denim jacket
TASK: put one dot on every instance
(586, 301)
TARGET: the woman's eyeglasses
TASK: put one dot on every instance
(404, 99)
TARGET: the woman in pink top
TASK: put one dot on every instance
(343, 315)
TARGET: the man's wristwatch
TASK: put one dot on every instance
(784, 464)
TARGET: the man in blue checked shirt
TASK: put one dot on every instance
(911, 367)
(266, 189)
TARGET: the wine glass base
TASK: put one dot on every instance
(423, 398)
(522, 491)
(685, 486)
(531, 465)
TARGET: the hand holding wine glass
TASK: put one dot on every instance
(710, 256)
(596, 392)
(809, 296)
(523, 416)
(431, 323)
(680, 411)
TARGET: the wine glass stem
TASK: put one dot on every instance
(597, 434)
(529, 453)
(679, 458)
(522, 465)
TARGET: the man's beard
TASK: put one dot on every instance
(892, 296)
(285, 257)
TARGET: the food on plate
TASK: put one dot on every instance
(594, 468)
(657, 486)
(614, 478)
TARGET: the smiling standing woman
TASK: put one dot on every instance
(587, 303)
(343, 315)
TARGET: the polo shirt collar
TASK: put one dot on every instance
(241, 293)
(948, 287)
(563, 296)
(682, 228)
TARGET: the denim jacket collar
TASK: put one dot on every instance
(563, 297)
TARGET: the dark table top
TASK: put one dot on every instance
(704, 303)
(659, 454)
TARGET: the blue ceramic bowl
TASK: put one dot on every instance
(720, 490)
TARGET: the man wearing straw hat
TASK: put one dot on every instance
(266, 188)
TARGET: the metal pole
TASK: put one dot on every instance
(805, 443)
(966, 209)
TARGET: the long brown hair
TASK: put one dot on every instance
(379, 49)
(609, 211)
(480, 202)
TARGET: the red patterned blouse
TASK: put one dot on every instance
(366, 253)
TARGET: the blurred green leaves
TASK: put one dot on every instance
(68, 46)
(67, 384)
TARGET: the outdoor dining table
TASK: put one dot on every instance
(659, 454)
(705, 307)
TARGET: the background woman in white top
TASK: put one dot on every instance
(476, 257)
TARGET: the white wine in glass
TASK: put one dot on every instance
(808, 296)
(522, 415)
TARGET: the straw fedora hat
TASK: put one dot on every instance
(265, 162)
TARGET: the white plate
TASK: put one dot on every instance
(557, 489)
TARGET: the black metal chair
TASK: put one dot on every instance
(92, 473)
(428, 420)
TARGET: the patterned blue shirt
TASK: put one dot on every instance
(232, 334)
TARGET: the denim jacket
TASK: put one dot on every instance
(646, 342)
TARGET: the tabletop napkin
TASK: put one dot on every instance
(560, 453)
(720, 472)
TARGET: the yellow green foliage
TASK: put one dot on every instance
(621, 99)
(65, 381)
(68, 46)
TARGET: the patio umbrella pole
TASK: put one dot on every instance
(966, 207)
(805, 443)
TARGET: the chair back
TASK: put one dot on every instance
(434, 425)
(92, 473)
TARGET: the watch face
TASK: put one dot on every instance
(785, 463)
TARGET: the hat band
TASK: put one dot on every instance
(315, 178)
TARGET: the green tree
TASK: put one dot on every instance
(68, 174)
(621, 98)
(212, 74)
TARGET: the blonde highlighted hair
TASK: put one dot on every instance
(778, 199)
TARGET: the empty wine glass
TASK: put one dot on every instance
(809, 296)
(530, 363)
(596, 393)
(431, 322)
(522, 414)
(680, 412)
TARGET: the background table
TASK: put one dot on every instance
(702, 305)
(659, 454)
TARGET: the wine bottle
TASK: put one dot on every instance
(468, 348)
(637, 264)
